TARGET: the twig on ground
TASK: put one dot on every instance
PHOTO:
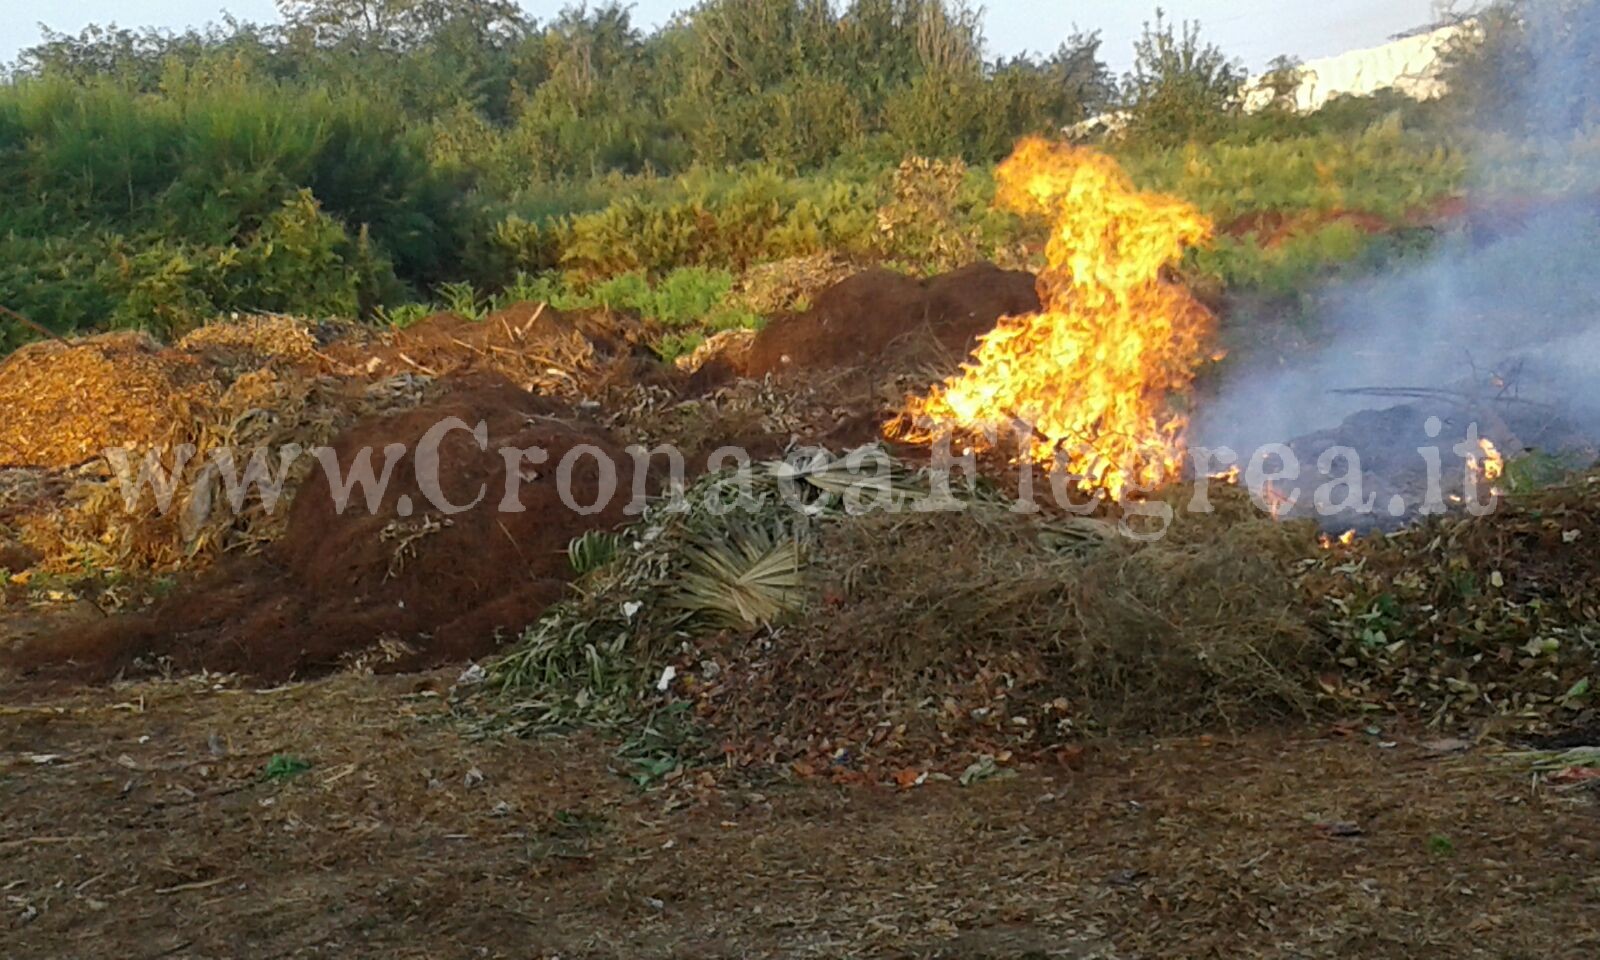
(35, 326)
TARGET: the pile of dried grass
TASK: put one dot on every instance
(911, 644)
(922, 650)
(791, 285)
(733, 550)
(254, 341)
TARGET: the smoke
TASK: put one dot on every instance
(1508, 305)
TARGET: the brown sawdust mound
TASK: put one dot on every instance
(401, 587)
(881, 318)
(66, 403)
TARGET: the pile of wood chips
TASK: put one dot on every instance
(65, 404)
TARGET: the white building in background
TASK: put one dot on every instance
(1410, 64)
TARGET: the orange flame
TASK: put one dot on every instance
(1093, 376)
(1490, 468)
(1344, 540)
(1494, 465)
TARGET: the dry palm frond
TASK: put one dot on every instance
(733, 550)
(746, 581)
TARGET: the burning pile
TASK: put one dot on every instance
(1092, 377)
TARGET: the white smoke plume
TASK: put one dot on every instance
(1509, 303)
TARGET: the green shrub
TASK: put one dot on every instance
(1180, 89)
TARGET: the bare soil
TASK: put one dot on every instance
(139, 821)
(878, 316)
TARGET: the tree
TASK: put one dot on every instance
(1085, 84)
(141, 59)
(1282, 82)
(397, 24)
(1180, 89)
(1529, 66)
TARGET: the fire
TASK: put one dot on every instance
(1093, 376)
(1494, 465)
(1490, 467)
(1277, 504)
(1344, 540)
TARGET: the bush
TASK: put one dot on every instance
(1180, 89)
(234, 196)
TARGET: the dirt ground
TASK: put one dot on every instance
(140, 821)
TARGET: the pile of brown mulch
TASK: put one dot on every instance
(402, 586)
(879, 318)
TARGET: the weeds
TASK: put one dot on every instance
(283, 767)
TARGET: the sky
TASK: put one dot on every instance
(1254, 31)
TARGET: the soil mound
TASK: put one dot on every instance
(403, 578)
(876, 317)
